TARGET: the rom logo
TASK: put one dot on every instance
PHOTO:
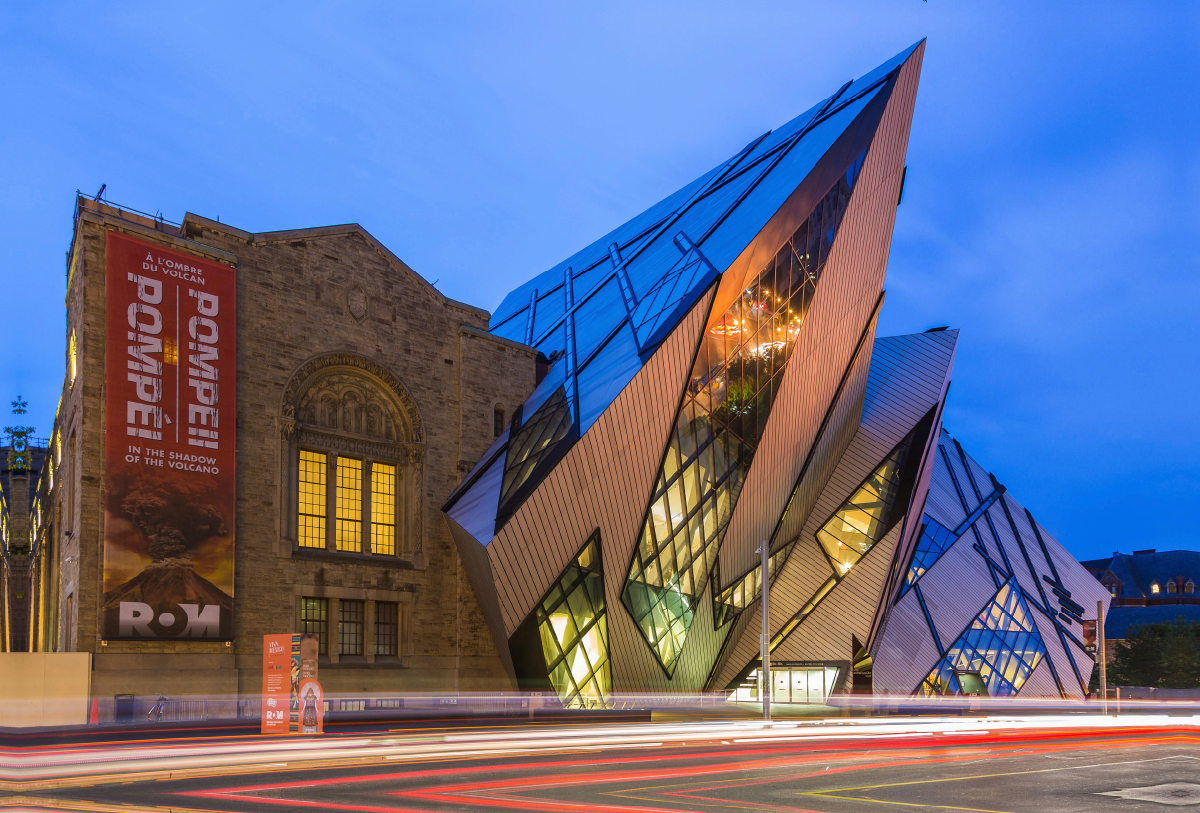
(203, 620)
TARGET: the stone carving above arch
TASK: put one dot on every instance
(349, 394)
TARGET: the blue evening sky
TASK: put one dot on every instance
(1052, 209)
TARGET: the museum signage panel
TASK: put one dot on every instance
(293, 701)
(170, 450)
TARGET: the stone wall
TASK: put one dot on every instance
(302, 295)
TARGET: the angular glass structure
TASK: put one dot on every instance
(573, 627)
(663, 351)
(865, 517)
(935, 540)
(1002, 646)
(857, 526)
(734, 380)
(744, 592)
(533, 445)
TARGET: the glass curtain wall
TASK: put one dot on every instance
(734, 380)
(745, 591)
(1002, 646)
(864, 518)
(573, 626)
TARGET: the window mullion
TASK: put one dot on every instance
(367, 546)
(331, 502)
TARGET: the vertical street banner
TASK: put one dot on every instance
(307, 698)
(292, 699)
(276, 684)
(170, 445)
(1089, 636)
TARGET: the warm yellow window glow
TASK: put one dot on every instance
(311, 526)
(1154, 588)
(71, 357)
(348, 530)
(383, 509)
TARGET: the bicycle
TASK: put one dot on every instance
(156, 711)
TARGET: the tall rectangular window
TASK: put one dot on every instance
(72, 357)
(387, 628)
(348, 531)
(383, 509)
(310, 528)
(314, 619)
(350, 627)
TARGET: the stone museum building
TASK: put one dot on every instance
(293, 432)
(363, 394)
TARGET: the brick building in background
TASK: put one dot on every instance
(362, 395)
(1148, 587)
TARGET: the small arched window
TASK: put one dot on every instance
(1154, 588)
(1114, 589)
(1171, 586)
(498, 420)
(1189, 587)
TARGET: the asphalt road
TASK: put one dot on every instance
(1001, 769)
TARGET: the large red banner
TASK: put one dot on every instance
(170, 450)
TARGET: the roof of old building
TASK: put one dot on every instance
(1138, 571)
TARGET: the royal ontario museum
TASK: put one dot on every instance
(711, 381)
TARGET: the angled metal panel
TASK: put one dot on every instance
(905, 652)
(479, 574)
(1040, 683)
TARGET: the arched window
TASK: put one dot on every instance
(498, 420)
(1171, 586)
(1154, 589)
(355, 460)
(1114, 589)
(1188, 587)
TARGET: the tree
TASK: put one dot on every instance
(1165, 655)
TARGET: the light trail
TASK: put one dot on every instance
(36, 767)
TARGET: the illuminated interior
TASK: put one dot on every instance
(311, 525)
(383, 508)
(573, 626)
(863, 519)
(737, 373)
(348, 530)
(1002, 646)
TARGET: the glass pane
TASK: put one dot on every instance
(383, 509)
(348, 531)
(311, 521)
(574, 632)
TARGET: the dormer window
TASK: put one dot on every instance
(1189, 586)
(1171, 587)
(1154, 588)
(1113, 589)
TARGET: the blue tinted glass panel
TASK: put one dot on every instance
(935, 540)
(1001, 645)
(550, 307)
(602, 379)
(596, 318)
